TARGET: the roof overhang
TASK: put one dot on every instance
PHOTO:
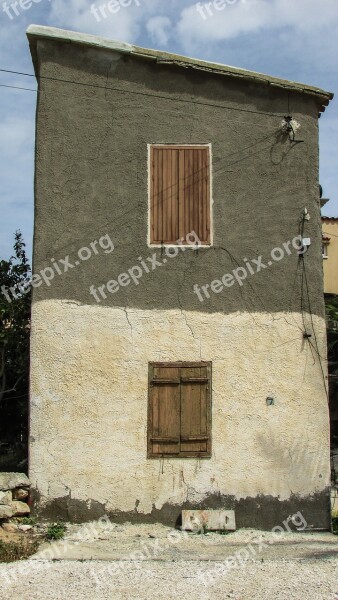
(36, 32)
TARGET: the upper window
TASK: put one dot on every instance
(179, 412)
(179, 193)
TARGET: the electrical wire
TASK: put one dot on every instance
(304, 280)
(106, 88)
(330, 234)
(15, 87)
(310, 310)
(316, 347)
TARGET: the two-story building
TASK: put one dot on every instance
(178, 324)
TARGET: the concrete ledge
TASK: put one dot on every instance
(208, 520)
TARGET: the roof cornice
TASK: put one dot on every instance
(36, 32)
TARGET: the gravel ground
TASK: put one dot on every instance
(291, 567)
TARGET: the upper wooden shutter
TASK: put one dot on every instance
(180, 193)
(179, 413)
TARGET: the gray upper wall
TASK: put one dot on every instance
(98, 108)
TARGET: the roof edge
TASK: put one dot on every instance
(35, 32)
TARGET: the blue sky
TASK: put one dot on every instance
(293, 39)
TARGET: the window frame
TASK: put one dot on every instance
(193, 455)
(175, 146)
(325, 249)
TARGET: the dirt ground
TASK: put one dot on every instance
(105, 561)
(26, 543)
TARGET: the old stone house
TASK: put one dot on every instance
(178, 330)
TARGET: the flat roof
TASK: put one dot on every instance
(35, 32)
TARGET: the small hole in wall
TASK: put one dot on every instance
(270, 401)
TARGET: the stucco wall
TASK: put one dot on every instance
(90, 361)
(330, 229)
(89, 407)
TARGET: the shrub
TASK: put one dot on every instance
(55, 531)
(10, 551)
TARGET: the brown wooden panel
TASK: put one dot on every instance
(206, 196)
(157, 196)
(164, 195)
(174, 196)
(164, 409)
(186, 194)
(154, 193)
(194, 193)
(181, 195)
(165, 189)
(191, 393)
(179, 414)
(200, 194)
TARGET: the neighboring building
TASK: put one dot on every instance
(330, 254)
(165, 377)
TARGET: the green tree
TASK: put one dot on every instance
(332, 341)
(15, 308)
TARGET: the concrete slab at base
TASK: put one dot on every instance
(212, 520)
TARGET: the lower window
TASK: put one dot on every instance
(179, 411)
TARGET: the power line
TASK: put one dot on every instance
(316, 347)
(17, 72)
(106, 88)
(15, 87)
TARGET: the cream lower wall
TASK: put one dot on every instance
(89, 390)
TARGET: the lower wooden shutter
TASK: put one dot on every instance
(195, 410)
(164, 426)
(179, 411)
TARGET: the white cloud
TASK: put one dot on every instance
(160, 30)
(253, 16)
(78, 15)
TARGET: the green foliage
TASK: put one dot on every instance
(12, 551)
(56, 531)
(335, 525)
(14, 358)
(27, 520)
(331, 303)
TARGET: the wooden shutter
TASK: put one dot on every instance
(179, 412)
(180, 193)
(164, 411)
(195, 410)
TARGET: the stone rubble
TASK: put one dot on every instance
(14, 494)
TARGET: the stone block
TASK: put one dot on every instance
(6, 498)
(6, 512)
(25, 528)
(20, 494)
(20, 508)
(10, 481)
(10, 527)
(209, 520)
